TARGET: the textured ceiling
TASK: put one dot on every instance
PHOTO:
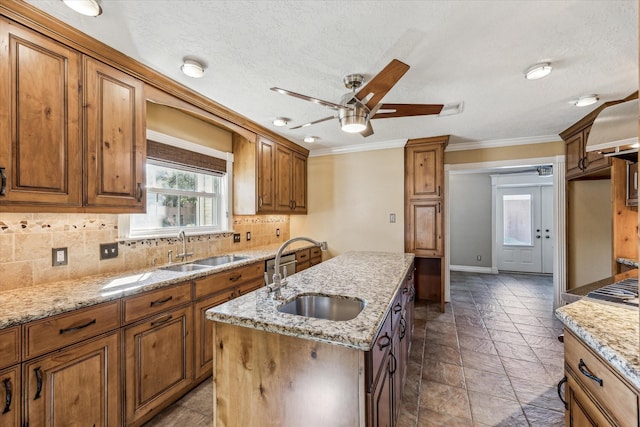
(469, 51)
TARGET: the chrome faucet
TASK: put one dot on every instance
(277, 279)
(182, 236)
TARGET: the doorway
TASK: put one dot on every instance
(524, 226)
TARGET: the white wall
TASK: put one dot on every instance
(470, 219)
(350, 197)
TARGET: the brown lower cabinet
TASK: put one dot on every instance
(78, 385)
(10, 397)
(158, 362)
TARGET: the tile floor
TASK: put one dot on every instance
(492, 359)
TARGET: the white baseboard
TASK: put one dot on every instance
(472, 269)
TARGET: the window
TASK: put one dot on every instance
(186, 190)
(517, 219)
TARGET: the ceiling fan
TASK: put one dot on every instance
(356, 109)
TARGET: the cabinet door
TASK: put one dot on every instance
(158, 362)
(380, 400)
(284, 172)
(574, 151)
(40, 151)
(299, 183)
(582, 412)
(79, 385)
(204, 333)
(424, 231)
(115, 138)
(424, 171)
(10, 397)
(266, 175)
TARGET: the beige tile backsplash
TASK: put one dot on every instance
(27, 240)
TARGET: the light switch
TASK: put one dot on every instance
(392, 218)
(58, 256)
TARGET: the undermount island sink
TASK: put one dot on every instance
(330, 307)
(205, 263)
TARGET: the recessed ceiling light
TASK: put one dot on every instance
(85, 7)
(280, 121)
(585, 100)
(538, 71)
(310, 139)
(192, 68)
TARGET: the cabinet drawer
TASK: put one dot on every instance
(303, 256)
(59, 331)
(380, 347)
(316, 252)
(300, 266)
(611, 392)
(149, 303)
(9, 346)
(249, 287)
(396, 310)
(220, 281)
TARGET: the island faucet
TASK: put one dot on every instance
(182, 236)
(277, 279)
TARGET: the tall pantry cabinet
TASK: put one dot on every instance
(424, 213)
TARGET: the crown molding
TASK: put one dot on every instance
(496, 143)
(356, 148)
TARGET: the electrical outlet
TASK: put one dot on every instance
(108, 250)
(236, 237)
(248, 236)
(277, 232)
(392, 218)
(479, 258)
(58, 256)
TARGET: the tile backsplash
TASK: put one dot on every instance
(27, 240)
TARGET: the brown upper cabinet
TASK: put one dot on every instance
(40, 142)
(115, 138)
(580, 162)
(45, 157)
(269, 177)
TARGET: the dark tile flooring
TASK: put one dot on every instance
(492, 359)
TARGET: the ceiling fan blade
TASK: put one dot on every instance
(386, 111)
(308, 98)
(382, 82)
(368, 131)
(314, 122)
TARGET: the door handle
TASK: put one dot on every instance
(547, 237)
(538, 236)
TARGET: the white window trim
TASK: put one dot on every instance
(124, 223)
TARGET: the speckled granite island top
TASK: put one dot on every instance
(611, 331)
(36, 302)
(371, 276)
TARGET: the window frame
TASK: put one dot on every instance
(124, 221)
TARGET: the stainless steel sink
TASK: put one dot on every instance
(184, 267)
(219, 260)
(329, 307)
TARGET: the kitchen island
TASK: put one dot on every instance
(273, 368)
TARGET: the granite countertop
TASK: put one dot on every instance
(36, 302)
(612, 331)
(371, 276)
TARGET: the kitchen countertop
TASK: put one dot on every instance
(36, 302)
(612, 331)
(371, 276)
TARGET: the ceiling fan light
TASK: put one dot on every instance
(310, 139)
(354, 120)
(280, 121)
(585, 100)
(192, 68)
(85, 7)
(538, 71)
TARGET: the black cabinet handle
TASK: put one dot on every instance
(386, 344)
(397, 308)
(405, 290)
(38, 373)
(560, 392)
(403, 328)
(77, 328)
(9, 395)
(235, 278)
(140, 192)
(3, 186)
(583, 368)
(160, 301)
(160, 322)
(395, 364)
